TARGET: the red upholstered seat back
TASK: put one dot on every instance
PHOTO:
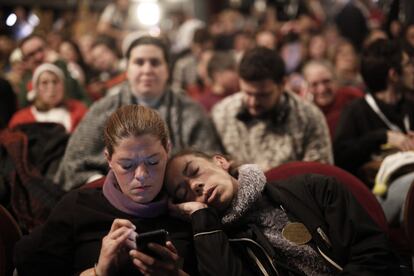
(98, 183)
(355, 186)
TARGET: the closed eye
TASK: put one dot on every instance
(126, 167)
(194, 172)
(153, 162)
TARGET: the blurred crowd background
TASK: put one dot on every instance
(301, 30)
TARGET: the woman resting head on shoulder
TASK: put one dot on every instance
(48, 100)
(306, 225)
(95, 231)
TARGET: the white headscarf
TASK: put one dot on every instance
(49, 67)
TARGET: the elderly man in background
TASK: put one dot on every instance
(324, 92)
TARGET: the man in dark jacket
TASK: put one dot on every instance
(383, 119)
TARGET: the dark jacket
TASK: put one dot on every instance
(342, 232)
(29, 156)
(70, 241)
(360, 132)
(8, 102)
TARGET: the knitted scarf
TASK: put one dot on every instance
(123, 203)
(250, 205)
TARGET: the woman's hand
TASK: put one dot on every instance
(184, 210)
(115, 246)
(400, 140)
(167, 263)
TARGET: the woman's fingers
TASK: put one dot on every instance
(171, 247)
(116, 243)
(142, 267)
(166, 261)
(408, 144)
(120, 232)
(144, 262)
(164, 252)
(118, 223)
(131, 244)
(113, 242)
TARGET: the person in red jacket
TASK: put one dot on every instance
(48, 101)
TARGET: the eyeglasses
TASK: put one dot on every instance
(31, 54)
(323, 82)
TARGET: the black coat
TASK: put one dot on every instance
(360, 131)
(8, 102)
(70, 241)
(347, 236)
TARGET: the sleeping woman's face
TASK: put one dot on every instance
(194, 178)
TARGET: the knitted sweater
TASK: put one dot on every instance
(295, 130)
(84, 156)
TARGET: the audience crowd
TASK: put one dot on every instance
(330, 84)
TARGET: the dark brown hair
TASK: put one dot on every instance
(260, 63)
(149, 40)
(377, 59)
(221, 61)
(234, 165)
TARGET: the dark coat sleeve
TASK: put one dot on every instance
(358, 244)
(214, 254)
(354, 142)
(8, 102)
(49, 249)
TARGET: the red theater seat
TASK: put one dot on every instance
(355, 186)
(98, 183)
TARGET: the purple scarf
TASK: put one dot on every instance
(125, 204)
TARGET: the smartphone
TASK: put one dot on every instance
(158, 236)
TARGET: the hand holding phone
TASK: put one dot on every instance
(167, 261)
(158, 236)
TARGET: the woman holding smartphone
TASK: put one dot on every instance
(94, 231)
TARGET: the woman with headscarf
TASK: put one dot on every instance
(48, 101)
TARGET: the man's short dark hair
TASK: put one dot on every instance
(377, 59)
(149, 40)
(202, 35)
(260, 64)
(108, 42)
(221, 61)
